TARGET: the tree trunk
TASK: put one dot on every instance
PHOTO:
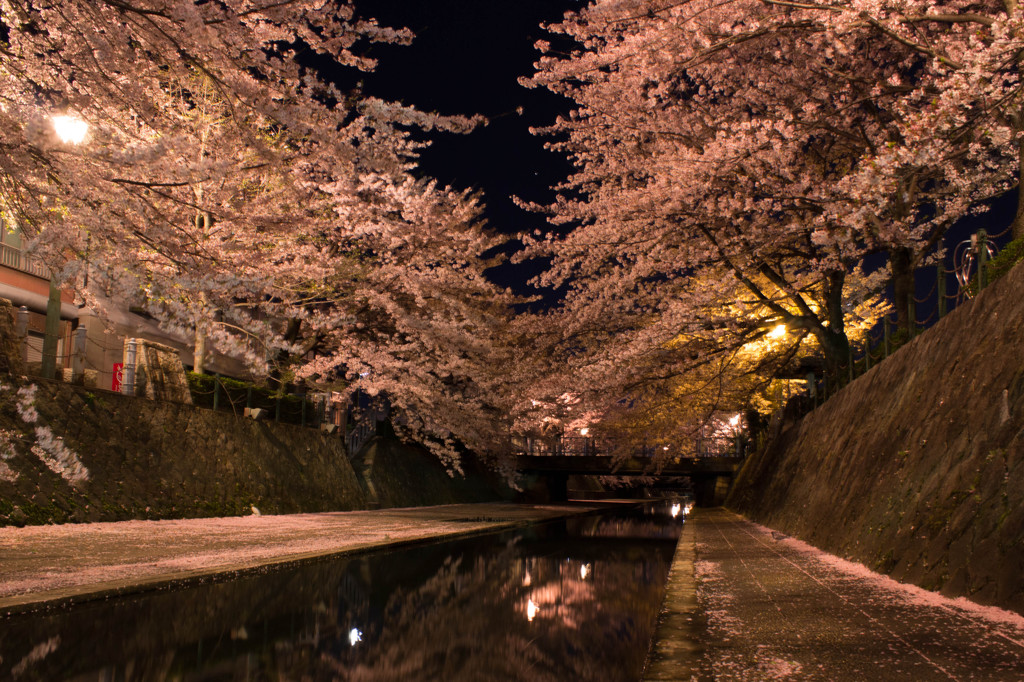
(832, 335)
(902, 285)
(835, 348)
(199, 356)
(291, 335)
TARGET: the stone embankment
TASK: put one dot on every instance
(71, 454)
(915, 469)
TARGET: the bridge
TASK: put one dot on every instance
(606, 465)
(710, 476)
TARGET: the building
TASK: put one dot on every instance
(26, 283)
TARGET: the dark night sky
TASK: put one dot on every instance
(466, 59)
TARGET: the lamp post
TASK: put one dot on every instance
(70, 130)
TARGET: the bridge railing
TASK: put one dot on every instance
(554, 446)
(576, 446)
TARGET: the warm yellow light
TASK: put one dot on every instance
(531, 610)
(70, 130)
(778, 332)
(584, 431)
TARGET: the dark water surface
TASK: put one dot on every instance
(575, 599)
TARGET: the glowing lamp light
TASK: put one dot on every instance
(584, 431)
(531, 610)
(527, 580)
(354, 635)
(675, 510)
(735, 421)
(584, 571)
(777, 332)
(69, 129)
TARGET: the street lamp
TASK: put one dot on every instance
(70, 130)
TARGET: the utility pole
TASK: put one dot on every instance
(52, 331)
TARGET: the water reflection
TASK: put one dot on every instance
(575, 599)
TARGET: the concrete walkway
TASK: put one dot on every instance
(50, 565)
(770, 607)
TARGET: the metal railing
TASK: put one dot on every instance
(971, 275)
(16, 259)
(366, 425)
(576, 446)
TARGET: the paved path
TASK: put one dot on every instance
(770, 607)
(46, 565)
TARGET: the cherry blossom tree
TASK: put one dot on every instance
(738, 161)
(955, 123)
(239, 197)
(699, 210)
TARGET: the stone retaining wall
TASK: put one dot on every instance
(916, 469)
(71, 454)
(113, 457)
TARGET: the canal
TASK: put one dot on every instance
(572, 599)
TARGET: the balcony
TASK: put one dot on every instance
(11, 257)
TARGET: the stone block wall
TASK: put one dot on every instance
(68, 454)
(74, 454)
(404, 475)
(11, 363)
(915, 469)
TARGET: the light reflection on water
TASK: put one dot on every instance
(573, 599)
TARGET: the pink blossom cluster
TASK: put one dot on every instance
(250, 205)
(737, 162)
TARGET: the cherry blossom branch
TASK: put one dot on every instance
(917, 47)
(965, 18)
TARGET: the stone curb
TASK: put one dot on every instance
(677, 647)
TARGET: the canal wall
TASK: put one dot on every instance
(916, 469)
(71, 454)
(398, 474)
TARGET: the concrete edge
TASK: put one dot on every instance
(78, 594)
(677, 647)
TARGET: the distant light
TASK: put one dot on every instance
(527, 580)
(675, 510)
(70, 130)
(584, 431)
(531, 610)
(777, 332)
(354, 635)
(665, 448)
(734, 421)
(584, 571)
